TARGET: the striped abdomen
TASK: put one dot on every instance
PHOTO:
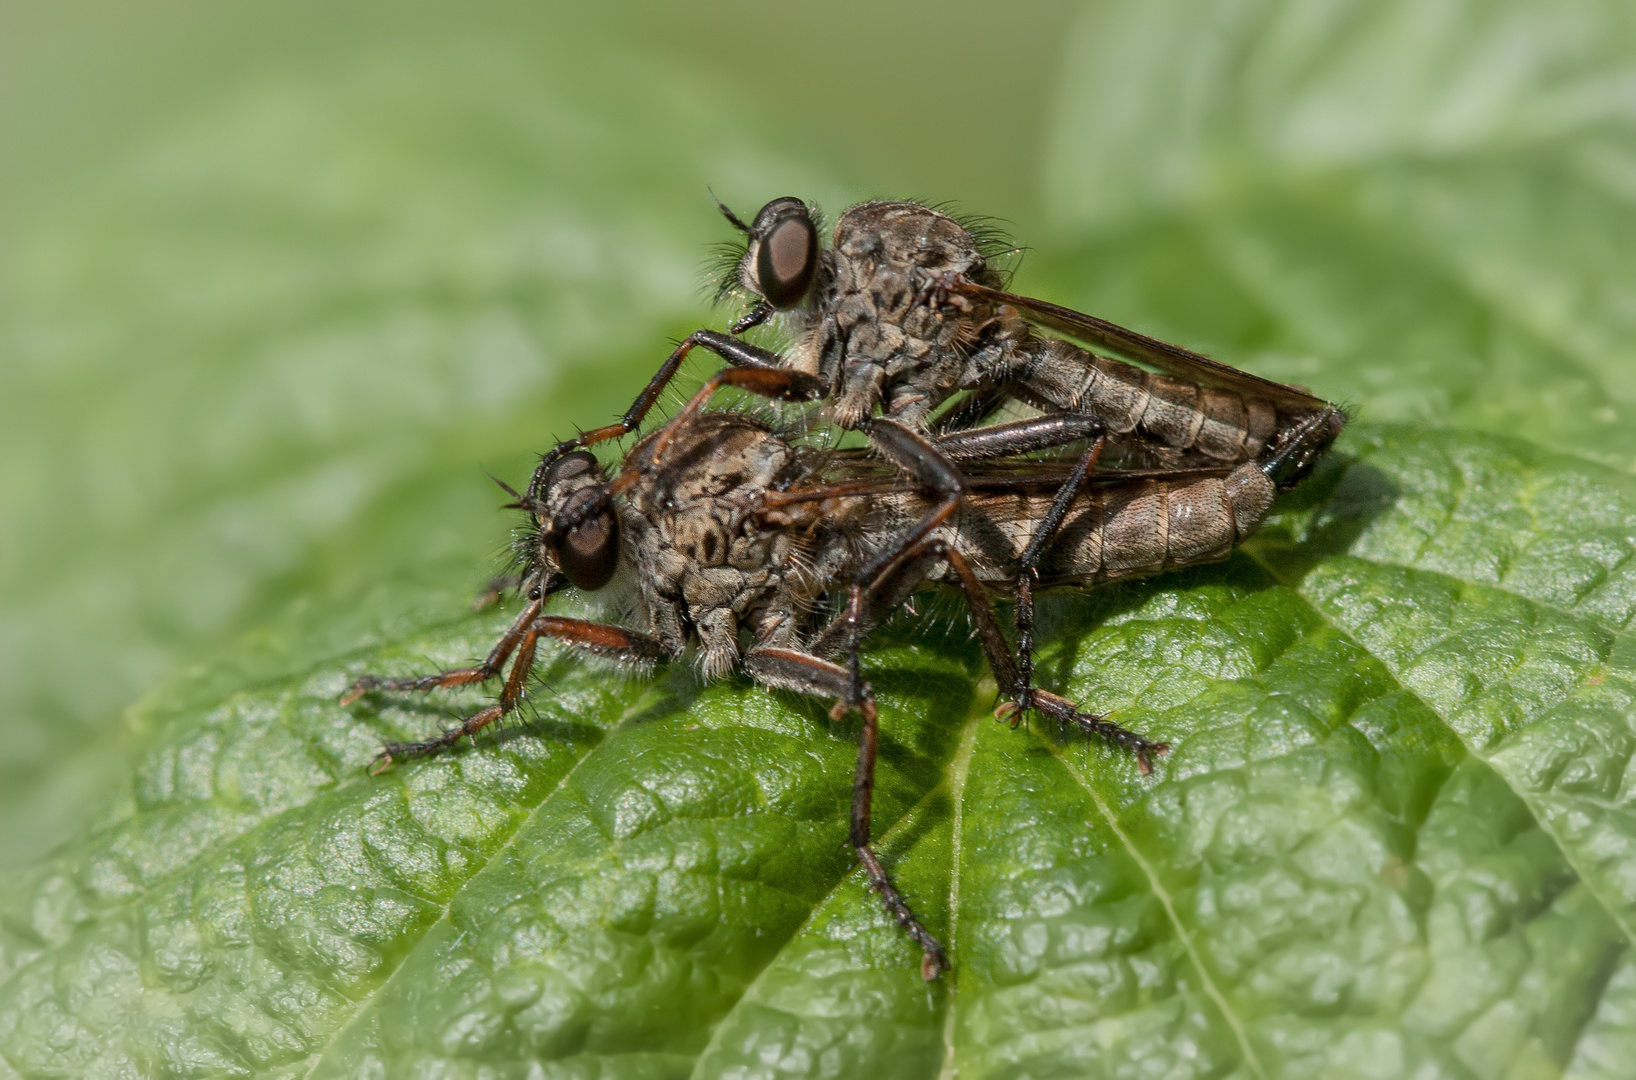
(1114, 530)
(1219, 424)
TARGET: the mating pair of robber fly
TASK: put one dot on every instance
(776, 558)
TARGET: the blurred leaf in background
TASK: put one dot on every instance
(277, 286)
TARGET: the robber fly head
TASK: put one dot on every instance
(780, 257)
(578, 524)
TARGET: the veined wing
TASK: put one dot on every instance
(1171, 359)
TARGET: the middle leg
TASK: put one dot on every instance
(1024, 696)
(1010, 679)
(789, 669)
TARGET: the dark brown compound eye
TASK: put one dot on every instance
(570, 465)
(787, 260)
(589, 553)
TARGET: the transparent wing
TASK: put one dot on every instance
(1171, 359)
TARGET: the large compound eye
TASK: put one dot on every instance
(590, 552)
(570, 465)
(787, 258)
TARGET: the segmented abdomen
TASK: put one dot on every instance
(1115, 531)
(1183, 415)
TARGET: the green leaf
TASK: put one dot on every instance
(1422, 209)
(1394, 833)
(1392, 827)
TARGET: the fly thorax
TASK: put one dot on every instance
(908, 235)
(698, 535)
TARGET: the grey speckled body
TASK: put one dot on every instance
(696, 558)
(717, 528)
(870, 333)
(1130, 529)
(703, 559)
(904, 312)
(703, 555)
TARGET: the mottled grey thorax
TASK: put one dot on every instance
(882, 340)
(704, 558)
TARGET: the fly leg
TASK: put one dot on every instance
(614, 642)
(739, 353)
(928, 463)
(891, 574)
(777, 384)
(774, 383)
(1024, 696)
(1010, 679)
(934, 472)
(788, 669)
(1018, 437)
(488, 669)
(913, 567)
(1024, 436)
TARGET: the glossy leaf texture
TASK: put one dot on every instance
(1394, 836)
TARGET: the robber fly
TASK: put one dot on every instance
(906, 308)
(717, 524)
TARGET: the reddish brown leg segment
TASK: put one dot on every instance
(1005, 673)
(614, 642)
(775, 383)
(488, 669)
(732, 350)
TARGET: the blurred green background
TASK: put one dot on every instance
(279, 281)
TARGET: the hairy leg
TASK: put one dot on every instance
(1024, 695)
(1006, 674)
(613, 642)
(739, 353)
(488, 669)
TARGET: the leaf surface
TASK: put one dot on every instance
(1394, 834)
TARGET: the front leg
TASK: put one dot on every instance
(741, 354)
(611, 642)
(488, 669)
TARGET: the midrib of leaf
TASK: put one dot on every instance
(854, 879)
(1586, 880)
(959, 770)
(382, 993)
(1165, 900)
